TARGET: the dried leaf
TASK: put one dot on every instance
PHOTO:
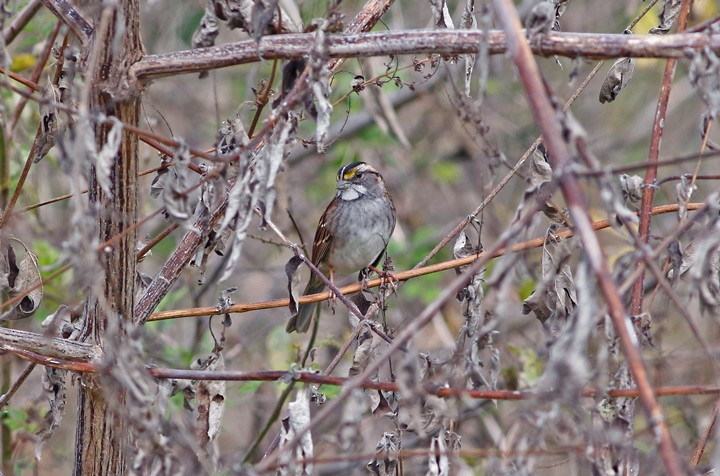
(684, 190)
(384, 463)
(363, 353)
(555, 297)
(441, 14)
(541, 18)
(175, 195)
(468, 21)
(210, 401)
(569, 367)
(209, 29)
(107, 155)
(616, 79)
(441, 448)
(268, 167)
(631, 187)
(704, 74)
(49, 124)
(59, 323)
(53, 384)
(540, 169)
(255, 187)
(292, 268)
(231, 136)
(158, 184)
(320, 87)
(670, 12)
(296, 422)
(225, 302)
(703, 262)
(21, 277)
(53, 120)
(263, 12)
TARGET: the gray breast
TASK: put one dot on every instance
(360, 234)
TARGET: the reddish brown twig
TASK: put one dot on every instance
(560, 157)
(653, 155)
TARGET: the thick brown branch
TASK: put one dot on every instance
(445, 42)
(13, 340)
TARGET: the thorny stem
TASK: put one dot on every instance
(20, 79)
(161, 236)
(560, 157)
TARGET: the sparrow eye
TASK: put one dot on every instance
(358, 175)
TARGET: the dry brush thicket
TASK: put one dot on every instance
(554, 168)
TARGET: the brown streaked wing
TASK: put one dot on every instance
(321, 243)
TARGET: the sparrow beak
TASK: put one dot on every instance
(342, 184)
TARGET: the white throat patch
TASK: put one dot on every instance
(353, 192)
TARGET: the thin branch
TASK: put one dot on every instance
(20, 20)
(90, 363)
(20, 79)
(403, 276)
(72, 17)
(706, 435)
(5, 398)
(37, 70)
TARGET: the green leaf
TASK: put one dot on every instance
(15, 418)
(331, 391)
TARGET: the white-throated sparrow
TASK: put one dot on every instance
(353, 233)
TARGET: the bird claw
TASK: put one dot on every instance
(332, 301)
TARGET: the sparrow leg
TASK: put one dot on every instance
(363, 278)
(333, 297)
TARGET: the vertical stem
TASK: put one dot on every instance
(102, 436)
(653, 154)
